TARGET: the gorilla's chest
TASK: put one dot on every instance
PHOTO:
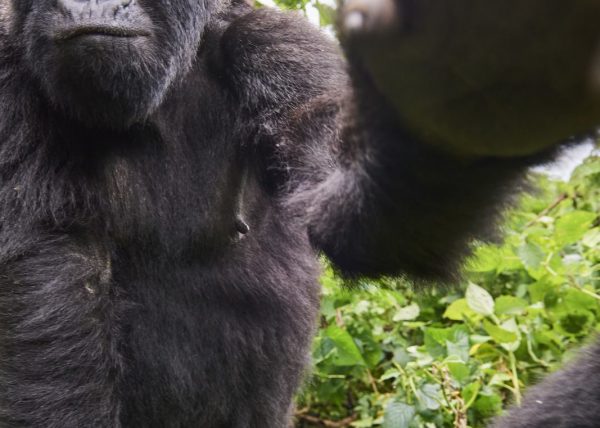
(203, 337)
(175, 192)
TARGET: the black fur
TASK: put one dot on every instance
(567, 399)
(162, 203)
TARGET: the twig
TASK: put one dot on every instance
(372, 382)
(562, 197)
(515, 378)
(574, 284)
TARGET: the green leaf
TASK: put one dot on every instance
(511, 326)
(531, 255)
(347, 353)
(459, 371)
(458, 310)
(572, 226)
(328, 306)
(489, 404)
(479, 300)
(542, 290)
(499, 334)
(458, 345)
(575, 323)
(510, 305)
(429, 396)
(487, 258)
(576, 299)
(398, 415)
(470, 391)
(401, 356)
(390, 374)
(435, 341)
(407, 313)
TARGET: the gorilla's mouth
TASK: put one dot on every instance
(99, 30)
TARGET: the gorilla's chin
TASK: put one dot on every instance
(104, 81)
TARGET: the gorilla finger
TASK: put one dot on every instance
(365, 17)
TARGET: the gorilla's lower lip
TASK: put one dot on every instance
(99, 30)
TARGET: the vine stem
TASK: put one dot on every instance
(515, 377)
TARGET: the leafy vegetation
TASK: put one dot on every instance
(388, 356)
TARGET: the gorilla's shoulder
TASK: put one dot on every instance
(276, 58)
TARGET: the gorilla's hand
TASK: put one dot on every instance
(482, 78)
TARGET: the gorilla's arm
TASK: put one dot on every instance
(374, 198)
(391, 204)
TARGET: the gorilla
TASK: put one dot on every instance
(170, 170)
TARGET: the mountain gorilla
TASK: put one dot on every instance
(170, 169)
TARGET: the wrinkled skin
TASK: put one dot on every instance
(171, 169)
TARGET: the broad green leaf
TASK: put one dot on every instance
(390, 374)
(459, 309)
(486, 259)
(576, 322)
(458, 345)
(499, 334)
(576, 299)
(572, 226)
(531, 255)
(479, 300)
(328, 306)
(401, 356)
(489, 258)
(470, 391)
(348, 353)
(429, 395)
(510, 305)
(488, 404)
(435, 341)
(398, 415)
(540, 290)
(459, 371)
